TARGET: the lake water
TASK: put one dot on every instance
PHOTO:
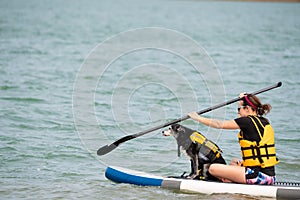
(75, 76)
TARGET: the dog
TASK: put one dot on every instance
(201, 151)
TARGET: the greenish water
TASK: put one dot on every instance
(45, 45)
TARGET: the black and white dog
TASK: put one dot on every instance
(201, 151)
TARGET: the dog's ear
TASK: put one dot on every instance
(175, 126)
(180, 129)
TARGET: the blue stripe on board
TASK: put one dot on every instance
(122, 177)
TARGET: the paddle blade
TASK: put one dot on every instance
(106, 149)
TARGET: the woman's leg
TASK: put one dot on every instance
(232, 173)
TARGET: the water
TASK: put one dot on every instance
(44, 45)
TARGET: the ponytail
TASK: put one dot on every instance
(264, 109)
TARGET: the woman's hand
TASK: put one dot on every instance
(242, 95)
(194, 116)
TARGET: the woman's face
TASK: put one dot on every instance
(243, 111)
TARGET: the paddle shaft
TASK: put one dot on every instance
(107, 148)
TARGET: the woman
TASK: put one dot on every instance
(256, 138)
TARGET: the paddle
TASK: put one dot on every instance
(108, 148)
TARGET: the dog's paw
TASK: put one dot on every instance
(193, 176)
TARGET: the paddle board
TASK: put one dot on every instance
(123, 175)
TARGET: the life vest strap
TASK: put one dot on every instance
(256, 154)
(254, 157)
(255, 124)
(260, 147)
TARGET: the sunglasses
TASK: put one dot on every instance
(239, 108)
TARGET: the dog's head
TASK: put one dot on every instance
(174, 130)
(181, 134)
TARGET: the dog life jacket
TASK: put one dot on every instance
(207, 147)
(260, 153)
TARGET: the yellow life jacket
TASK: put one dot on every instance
(260, 153)
(207, 146)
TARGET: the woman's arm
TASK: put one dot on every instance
(229, 124)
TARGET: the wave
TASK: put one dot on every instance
(23, 99)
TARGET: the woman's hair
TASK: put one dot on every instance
(256, 105)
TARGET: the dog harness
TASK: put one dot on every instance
(260, 153)
(206, 146)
